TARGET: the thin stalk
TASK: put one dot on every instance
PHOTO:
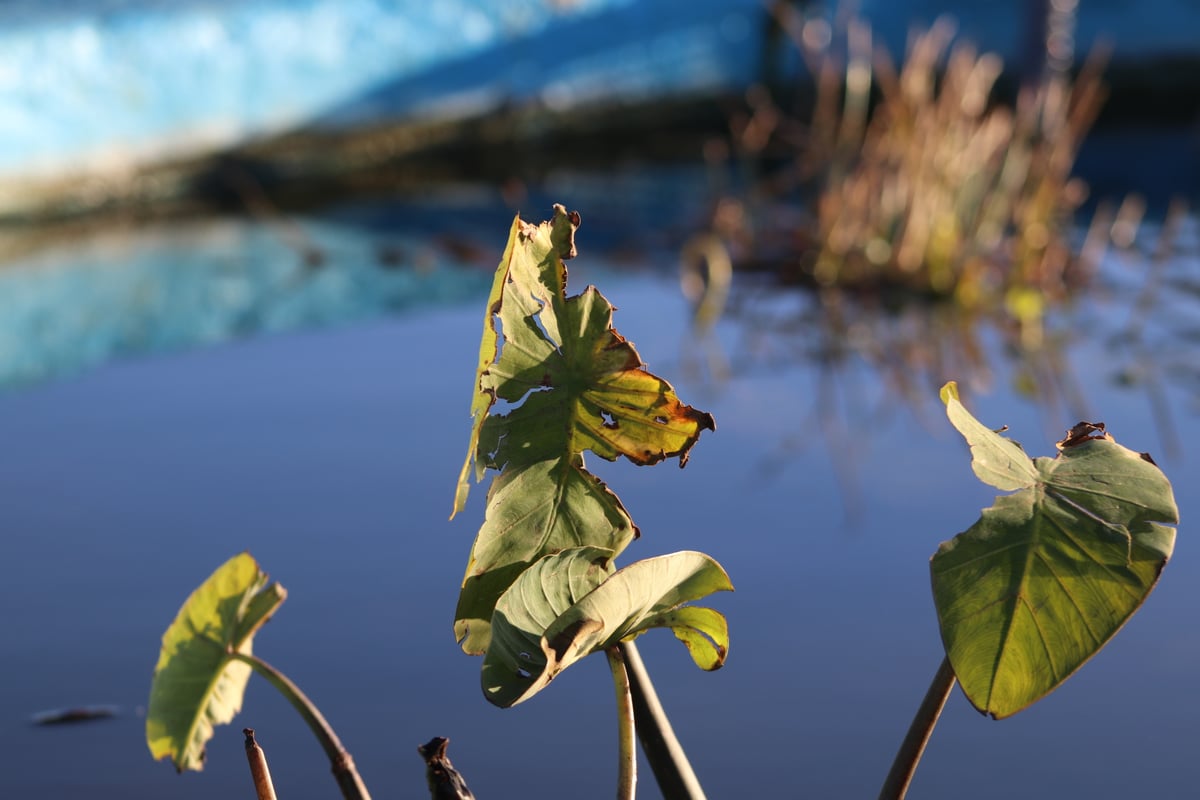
(264, 788)
(626, 747)
(672, 770)
(913, 746)
(344, 771)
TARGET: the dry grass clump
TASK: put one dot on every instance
(917, 180)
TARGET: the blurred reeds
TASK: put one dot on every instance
(930, 208)
(917, 181)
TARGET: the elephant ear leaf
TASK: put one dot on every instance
(198, 683)
(544, 623)
(569, 384)
(563, 362)
(1048, 574)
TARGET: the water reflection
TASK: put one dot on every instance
(332, 456)
(115, 294)
(873, 356)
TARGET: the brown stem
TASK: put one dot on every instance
(445, 782)
(263, 786)
(913, 746)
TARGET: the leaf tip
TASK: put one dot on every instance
(949, 391)
(563, 227)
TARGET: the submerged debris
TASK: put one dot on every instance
(63, 716)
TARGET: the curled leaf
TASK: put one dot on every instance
(532, 510)
(197, 683)
(567, 606)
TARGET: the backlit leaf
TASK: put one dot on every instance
(567, 606)
(533, 510)
(482, 400)
(1050, 573)
(197, 683)
(569, 383)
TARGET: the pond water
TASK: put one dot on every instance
(329, 449)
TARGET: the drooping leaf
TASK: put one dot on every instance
(1048, 574)
(536, 598)
(567, 606)
(570, 383)
(533, 510)
(197, 683)
(996, 460)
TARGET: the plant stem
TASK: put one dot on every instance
(627, 749)
(896, 785)
(264, 789)
(344, 771)
(672, 770)
(445, 782)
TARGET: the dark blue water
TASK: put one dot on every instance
(331, 453)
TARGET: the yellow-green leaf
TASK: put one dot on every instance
(569, 383)
(197, 683)
(1048, 575)
(481, 400)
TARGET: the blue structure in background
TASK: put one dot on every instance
(113, 83)
(105, 83)
(108, 84)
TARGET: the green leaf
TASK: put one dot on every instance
(1046, 576)
(997, 461)
(570, 383)
(567, 606)
(197, 683)
(533, 510)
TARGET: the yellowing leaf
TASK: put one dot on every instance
(570, 383)
(482, 400)
(580, 384)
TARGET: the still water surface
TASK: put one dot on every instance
(331, 455)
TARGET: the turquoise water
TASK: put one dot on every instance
(329, 449)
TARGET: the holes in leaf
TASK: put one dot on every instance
(609, 421)
(660, 419)
(498, 326)
(524, 673)
(502, 406)
(536, 319)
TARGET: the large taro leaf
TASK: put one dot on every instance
(571, 383)
(568, 605)
(197, 682)
(1050, 573)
